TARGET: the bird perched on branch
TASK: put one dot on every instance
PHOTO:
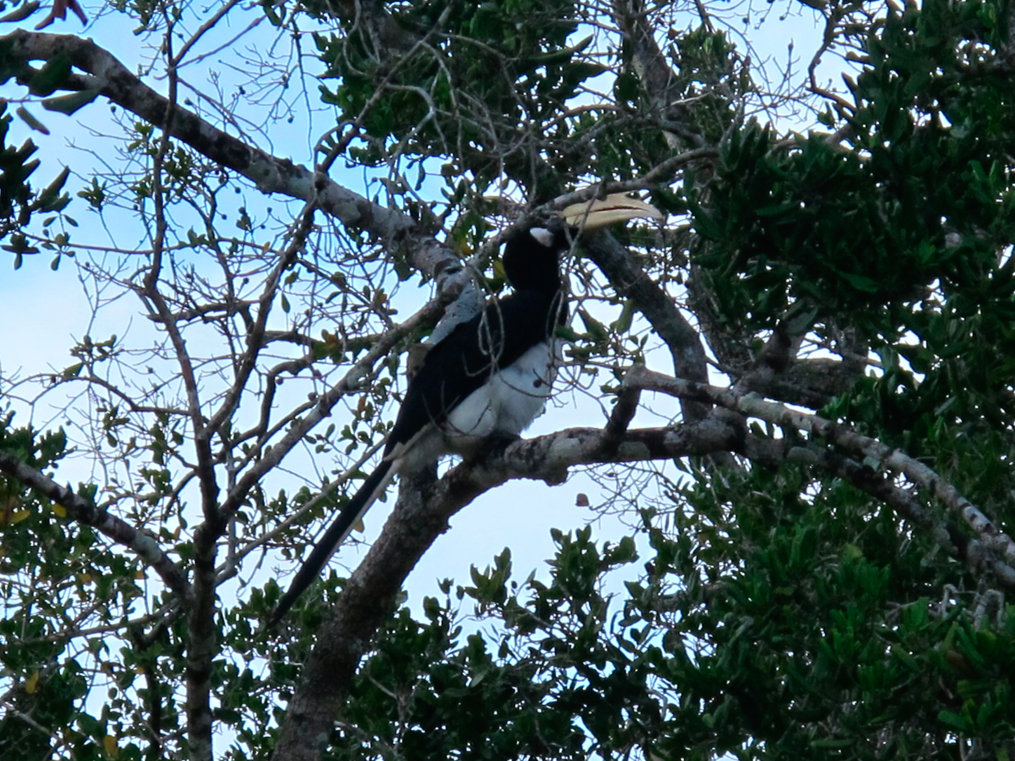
(488, 378)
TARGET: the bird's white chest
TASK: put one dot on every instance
(508, 402)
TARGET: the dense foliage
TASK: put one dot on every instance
(797, 590)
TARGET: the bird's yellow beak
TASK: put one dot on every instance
(601, 212)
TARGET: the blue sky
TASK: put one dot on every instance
(46, 311)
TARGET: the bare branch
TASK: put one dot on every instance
(323, 406)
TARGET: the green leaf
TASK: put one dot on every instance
(955, 721)
(68, 104)
(51, 76)
(20, 14)
(31, 121)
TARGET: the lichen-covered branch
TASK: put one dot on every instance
(868, 450)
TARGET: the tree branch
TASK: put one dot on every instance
(419, 518)
(657, 78)
(86, 512)
(268, 173)
(632, 282)
(299, 427)
(866, 449)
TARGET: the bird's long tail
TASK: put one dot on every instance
(368, 493)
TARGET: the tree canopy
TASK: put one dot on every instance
(797, 392)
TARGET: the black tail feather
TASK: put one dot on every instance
(333, 537)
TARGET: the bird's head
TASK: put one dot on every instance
(532, 256)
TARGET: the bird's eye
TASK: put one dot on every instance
(541, 234)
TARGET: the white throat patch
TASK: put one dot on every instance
(541, 234)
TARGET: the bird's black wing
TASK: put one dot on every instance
(455, 367)
(468, 356)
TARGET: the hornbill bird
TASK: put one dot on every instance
(488, 378)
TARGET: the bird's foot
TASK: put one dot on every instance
(500, 440)
(492, 444)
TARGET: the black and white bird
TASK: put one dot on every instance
(488, 378)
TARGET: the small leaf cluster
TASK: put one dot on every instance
(19, 201)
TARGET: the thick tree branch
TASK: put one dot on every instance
(632, 282)
(772, 453)
(420, 517)
(268, 173)
(969, 551)
(201, 645)
(866, 449)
